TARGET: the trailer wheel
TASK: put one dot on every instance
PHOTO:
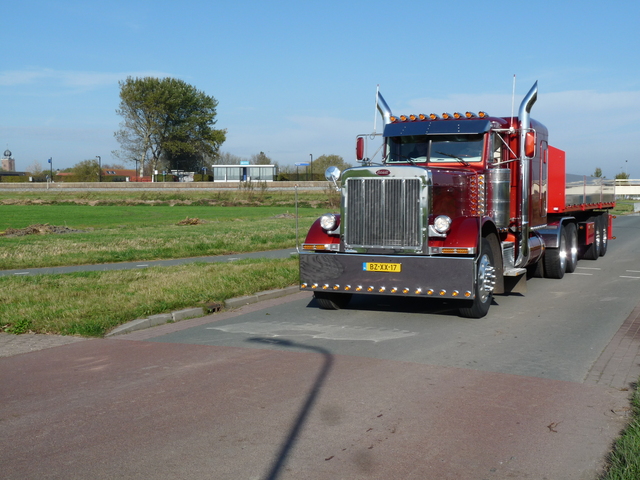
(592, 252)
(572, 244)
(555, 259)
(485, 282)
(332, 301)
(604, 233)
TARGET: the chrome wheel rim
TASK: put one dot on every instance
(486, 278)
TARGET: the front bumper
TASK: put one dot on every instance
(436, 276)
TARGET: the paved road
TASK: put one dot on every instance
(285, 253)
(393, 389)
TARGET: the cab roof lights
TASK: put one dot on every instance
(434, 116)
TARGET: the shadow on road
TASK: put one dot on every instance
(381, 303)
(293, 434)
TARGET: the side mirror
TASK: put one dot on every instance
(360, 148)
(530, 144)
(333, 175)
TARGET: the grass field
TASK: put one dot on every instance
(134, 227)
(131, 233)
(92, 303)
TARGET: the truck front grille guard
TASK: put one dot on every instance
(383, 213)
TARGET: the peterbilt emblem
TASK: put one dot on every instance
(383, 172)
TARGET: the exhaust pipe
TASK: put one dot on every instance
(525, 125)
(384, 109)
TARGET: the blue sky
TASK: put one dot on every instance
(297, 78)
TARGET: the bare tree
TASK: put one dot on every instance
(35, 168)
(225, 158)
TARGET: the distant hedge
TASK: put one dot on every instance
(160, 178)
(75, 178)
(198, 177)
(14, 178)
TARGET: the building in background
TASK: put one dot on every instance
(8, 162)
(244, 173)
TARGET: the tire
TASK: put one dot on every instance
(485, 282)
(555, 259)
(572, 244)
(592, 252)
(604, 233)
(332, 301)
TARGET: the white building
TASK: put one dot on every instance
(244, 173)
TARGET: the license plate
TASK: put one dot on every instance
(381, 267)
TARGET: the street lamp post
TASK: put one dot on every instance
(311, 165)
(136, 169)
(99, 168)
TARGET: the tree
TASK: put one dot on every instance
(323, 162)
(622, 175)
(226, 158)
(597, 173)
(87, 170)
(260, 159)
(165, 117)
(35, 168)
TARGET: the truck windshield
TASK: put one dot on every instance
(435, 148)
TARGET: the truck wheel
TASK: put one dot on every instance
(555, 259)
(332, 301)
(592, 251)
(572, 244)
(485, 281)
(604, 233)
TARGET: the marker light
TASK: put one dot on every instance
(483, 114)
(457, 115)
(433, 116)
(446, 116)
(470, 115)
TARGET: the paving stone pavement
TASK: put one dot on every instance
(30, 342)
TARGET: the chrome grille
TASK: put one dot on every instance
(383, 212)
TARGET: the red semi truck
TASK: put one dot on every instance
(460, 208)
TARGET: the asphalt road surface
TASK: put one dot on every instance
(386, 388)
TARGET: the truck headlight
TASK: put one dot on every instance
(442, 223)
(328, 221)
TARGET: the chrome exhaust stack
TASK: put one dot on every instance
(384, 109)
(525, 125)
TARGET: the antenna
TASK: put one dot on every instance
(375, 110)
(513, 99)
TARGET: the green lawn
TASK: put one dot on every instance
(92, 303)
(132, 233)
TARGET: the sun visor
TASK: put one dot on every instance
(437, 127)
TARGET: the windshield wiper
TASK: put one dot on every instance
(454, 156)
